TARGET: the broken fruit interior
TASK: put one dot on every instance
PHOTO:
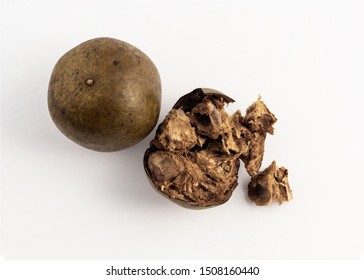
(194, 156)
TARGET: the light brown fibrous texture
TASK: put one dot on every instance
(194, 157)
(259, 121)
(270, 185)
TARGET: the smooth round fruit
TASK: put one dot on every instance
(105, 95)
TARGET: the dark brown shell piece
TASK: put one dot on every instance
(197, 96)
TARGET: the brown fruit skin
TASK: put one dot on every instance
(105, 95)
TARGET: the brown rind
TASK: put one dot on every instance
(105, 94)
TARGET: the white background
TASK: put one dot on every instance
(306, 59)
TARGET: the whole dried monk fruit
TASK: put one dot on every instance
(105, 95)
(270, 185)
(194, 158)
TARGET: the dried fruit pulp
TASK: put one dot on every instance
(194, 158)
